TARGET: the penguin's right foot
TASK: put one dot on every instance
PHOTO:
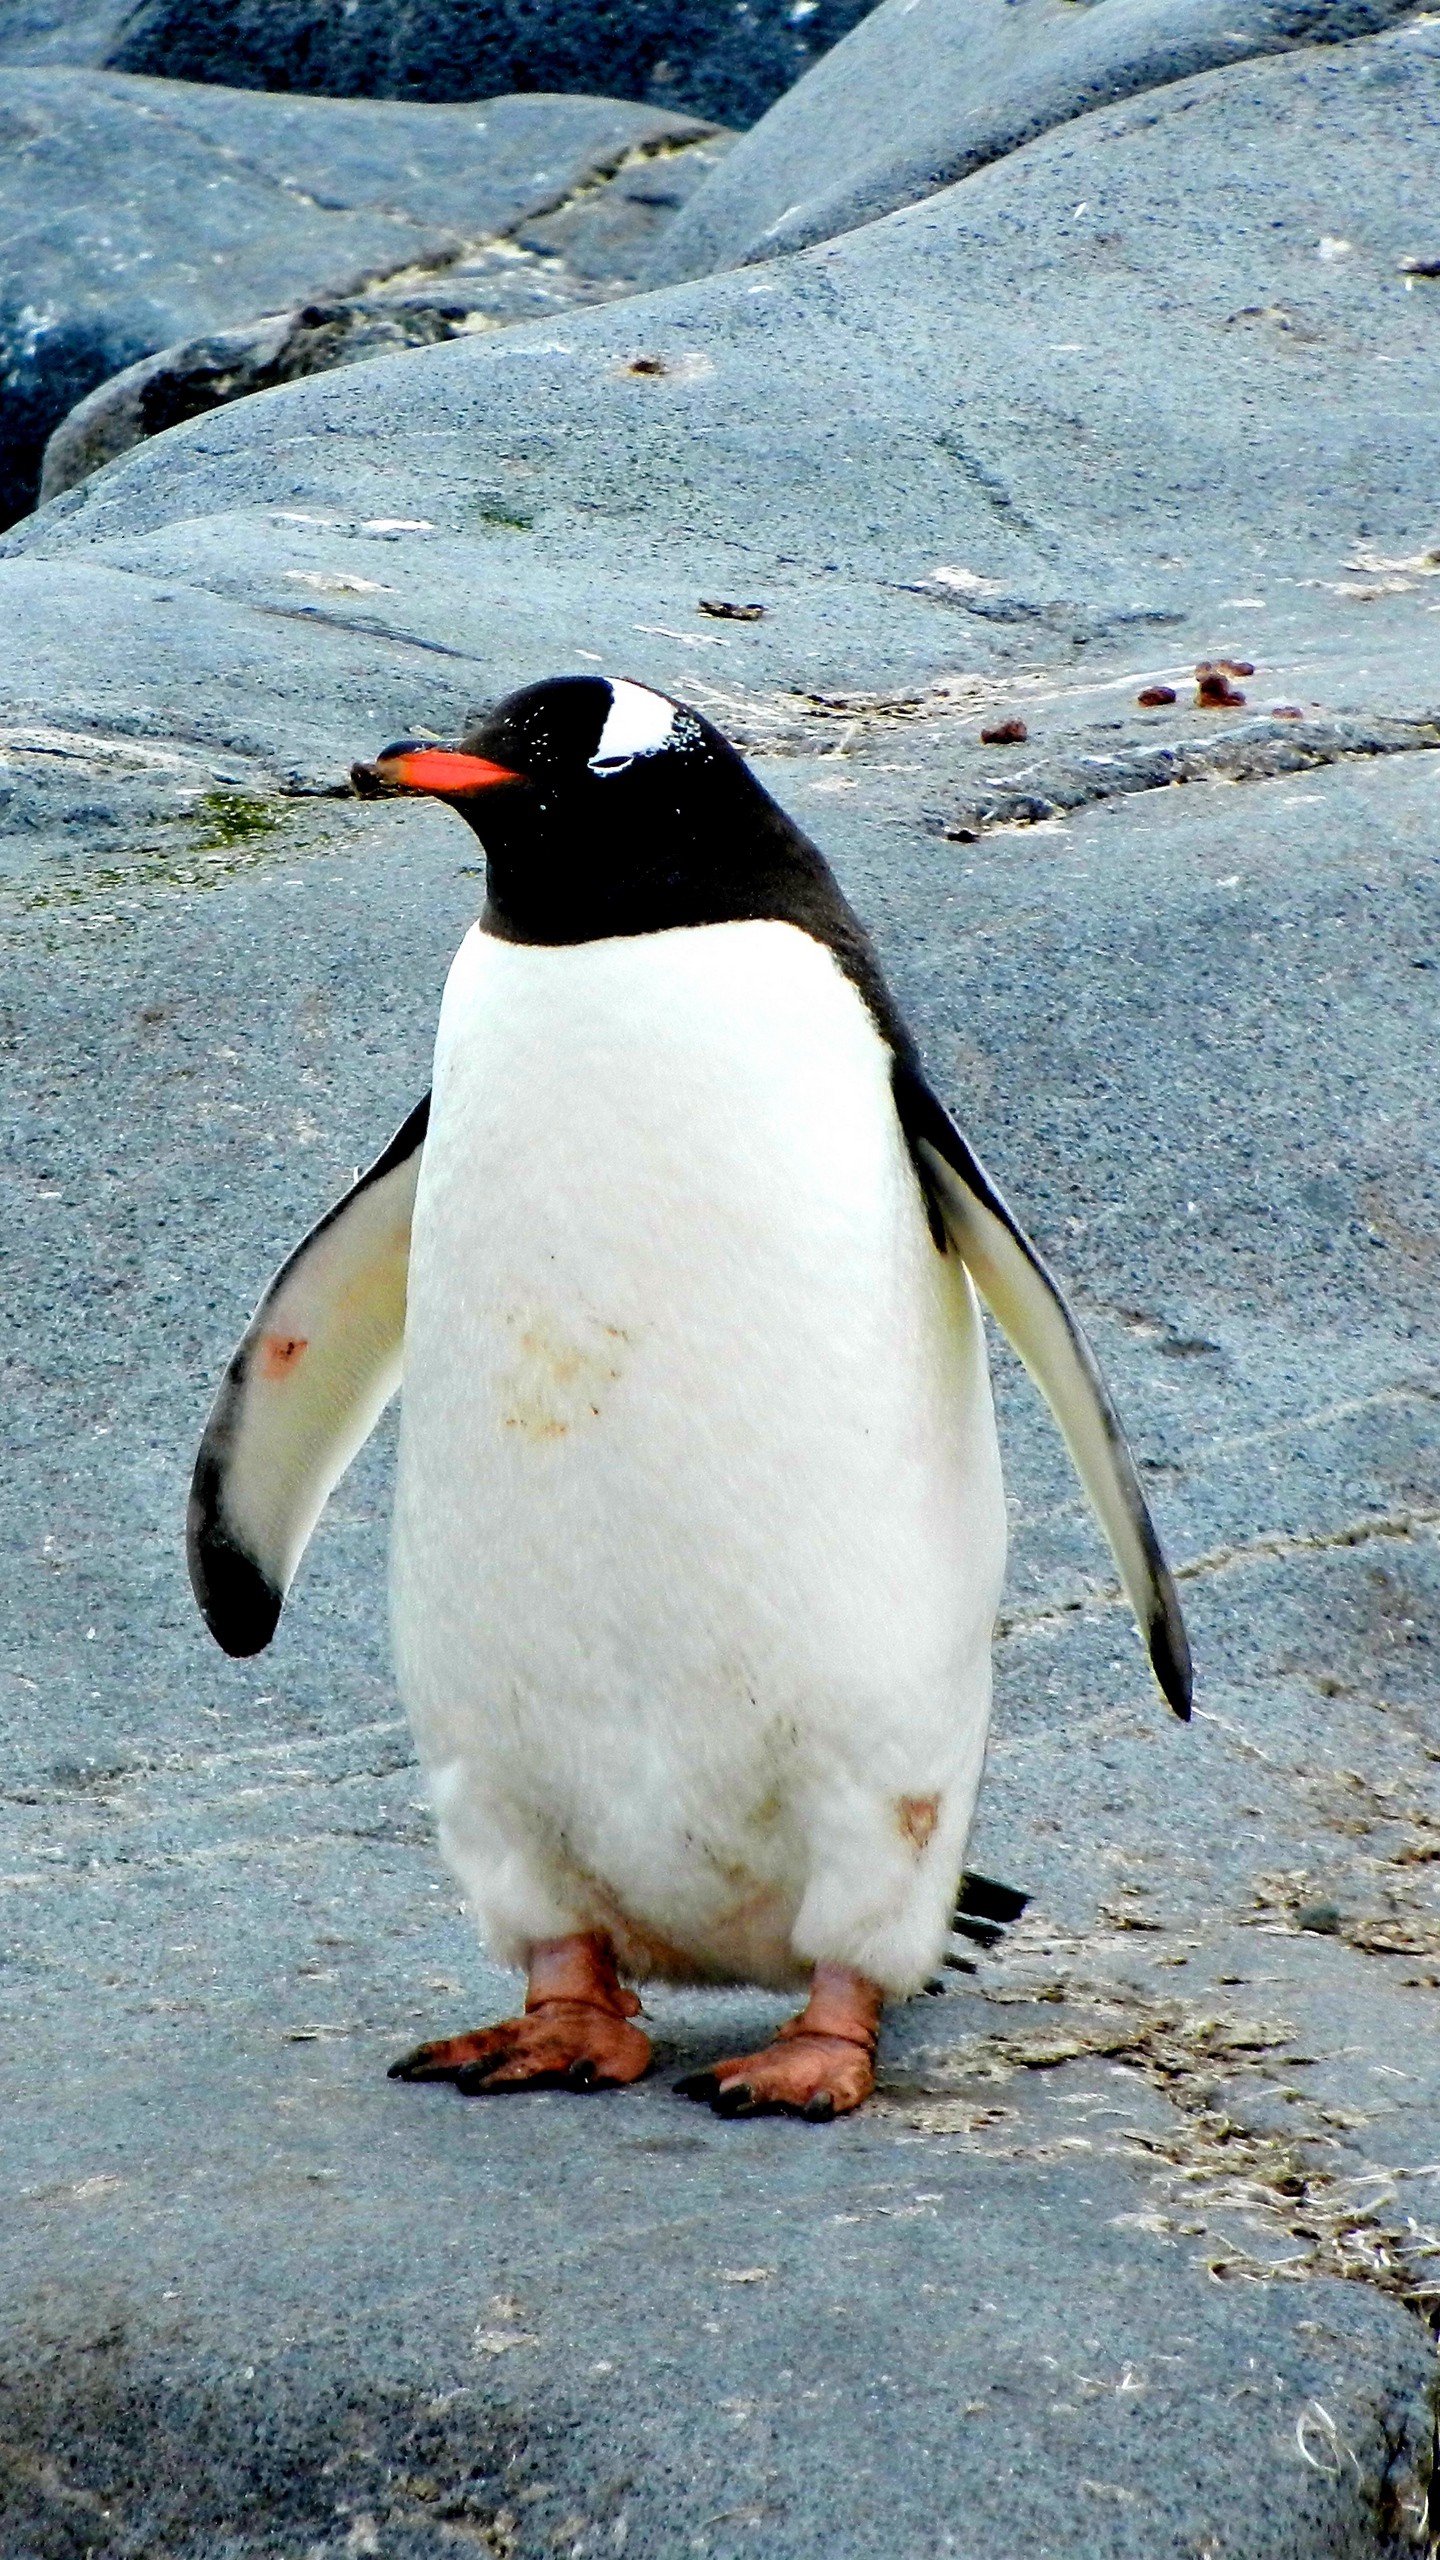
(820, 2066)
(575, 2033)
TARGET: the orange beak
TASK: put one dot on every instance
(444, 771)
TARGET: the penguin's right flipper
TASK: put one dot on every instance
(1027, 1303)
(305, 1387)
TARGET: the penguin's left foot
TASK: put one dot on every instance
(821, 2065)
(575, 2033)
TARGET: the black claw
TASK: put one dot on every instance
(819, 2109)
(736, 2098)
(475, 2077)
(581, 2073)
(413, 2066)
(697, 2084)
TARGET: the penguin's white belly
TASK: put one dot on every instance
(699, 1530)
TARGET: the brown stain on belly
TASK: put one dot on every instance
(917, 1817)
(645, 1954)
(642, 1952)
(561, 1373)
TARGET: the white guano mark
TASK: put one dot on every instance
(639, 723)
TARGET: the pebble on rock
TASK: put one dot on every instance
(1005, 733)
(1154, 695)
(1214, 690)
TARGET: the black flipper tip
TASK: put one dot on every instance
(239, 1604)
(1170, 1661)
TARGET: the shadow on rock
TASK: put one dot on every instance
(112, 2448)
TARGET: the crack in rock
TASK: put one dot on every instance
(1258, 751)
(1278, 1542)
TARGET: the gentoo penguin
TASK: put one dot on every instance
(699, 1531)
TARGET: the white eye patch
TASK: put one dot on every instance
(639, 724)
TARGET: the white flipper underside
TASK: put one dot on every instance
(307, 1384)
(1031, 1312)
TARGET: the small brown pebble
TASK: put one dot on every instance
(1286, 711)
(1214, 690)
(720, 611)
(1236, 666)
(1154, 695)
(1006, 733)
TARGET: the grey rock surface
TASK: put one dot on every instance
(204, 373)
(589, 248)
(139, 212)
(1133, 2256)
(78, 33)
(703, 57)
(925, 91)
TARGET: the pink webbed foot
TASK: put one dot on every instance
(575, 2032)
(821, 2065)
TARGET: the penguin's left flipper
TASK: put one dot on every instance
(1027, 1304)
(305, 1387)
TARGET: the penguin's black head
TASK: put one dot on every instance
(605, 808)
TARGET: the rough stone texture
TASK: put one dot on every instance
(1167, 2157)
(77, 32)
(139, 212)
(924, 91)
(711, 58)
(588, 249)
